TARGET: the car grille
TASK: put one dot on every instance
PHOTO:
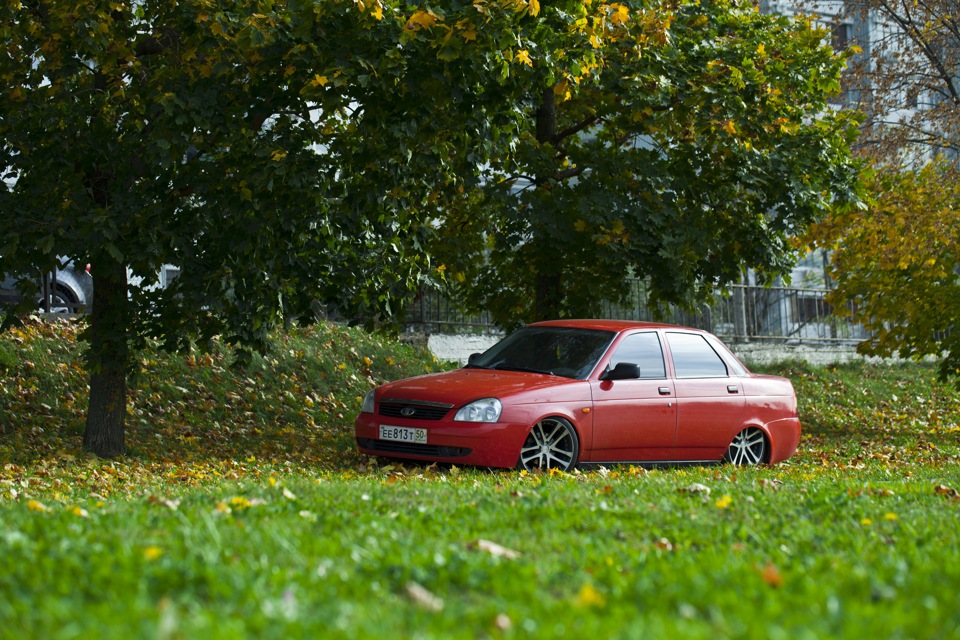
(429, 450)
(413, 410)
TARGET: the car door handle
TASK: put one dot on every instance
(732, 388)
(664, 391)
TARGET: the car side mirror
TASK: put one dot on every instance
(472, 359)
(623, 371)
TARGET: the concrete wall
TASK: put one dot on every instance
(459, 348)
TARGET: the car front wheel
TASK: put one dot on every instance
(552, 444)
(748, 447)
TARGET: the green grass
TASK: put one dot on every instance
(242, 510)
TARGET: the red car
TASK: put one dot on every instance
(557, 394)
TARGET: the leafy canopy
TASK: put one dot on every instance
(676, 142)
(285, 156)
(896, 264)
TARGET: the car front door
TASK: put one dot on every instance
(635, 419)
(710, 400)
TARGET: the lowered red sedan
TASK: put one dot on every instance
(558, 394)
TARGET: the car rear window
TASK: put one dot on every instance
(693, 357)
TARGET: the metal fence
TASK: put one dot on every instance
(746, 313)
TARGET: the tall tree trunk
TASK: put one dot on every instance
(109, 358)
(547, 264)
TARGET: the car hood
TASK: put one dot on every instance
(461, 386)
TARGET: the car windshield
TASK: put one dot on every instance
(558, 351)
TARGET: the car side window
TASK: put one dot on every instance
(693, 357)
(642, 349)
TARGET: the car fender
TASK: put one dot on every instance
(577, 413)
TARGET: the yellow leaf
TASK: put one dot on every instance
(278, 155)
(761, 49)
(730, 128)
(534, 7)
(421, 20)
(319, 81)
(524, 56)
(589, 597)
(620, 15)
(33, 505)
(240, 502)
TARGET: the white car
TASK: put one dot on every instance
(71, 291)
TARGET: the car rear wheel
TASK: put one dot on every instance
(62, 300)
(748, 447)
(552, 444)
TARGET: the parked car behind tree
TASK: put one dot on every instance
(64, 290)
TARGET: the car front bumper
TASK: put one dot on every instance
(462, 443)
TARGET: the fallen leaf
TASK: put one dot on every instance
(170, 504)
(943, 490)
(421, 597)
(589, 597)
(696, 487)
(663, 544)
(771, 575)
(33, 505)
(494, 549)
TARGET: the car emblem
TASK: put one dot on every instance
(406, 412)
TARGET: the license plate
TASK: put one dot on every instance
(403, 434)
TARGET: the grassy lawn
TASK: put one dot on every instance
(243, 510)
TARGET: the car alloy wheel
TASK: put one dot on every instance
(552, 444)
(748, 447)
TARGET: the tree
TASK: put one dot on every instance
(895, 264)
(905, 77)
(687, 142)
(282, 155)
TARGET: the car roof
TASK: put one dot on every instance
(611, 325)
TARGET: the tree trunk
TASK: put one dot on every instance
(104, 434)
(547, 264)
(108, 361)
(549, 296)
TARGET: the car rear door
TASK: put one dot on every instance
(710, 401)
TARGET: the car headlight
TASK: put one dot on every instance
(485, 410)
(367, 406)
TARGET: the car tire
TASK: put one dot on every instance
(551, 444)
(749, 447)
